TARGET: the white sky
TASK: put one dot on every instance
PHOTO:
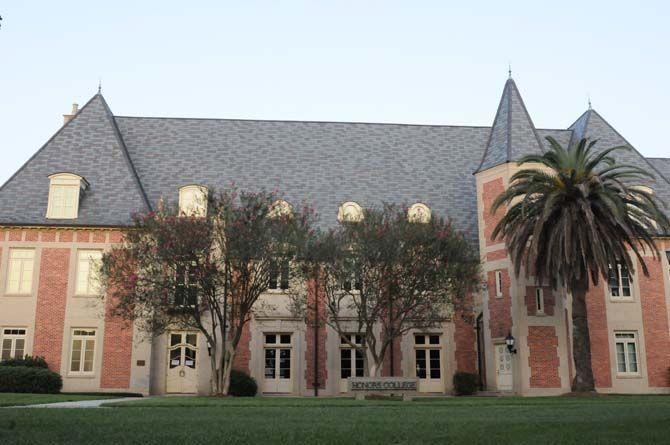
(416, 61)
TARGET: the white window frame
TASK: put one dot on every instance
(278, 284)
(26, 272)
(428, 346)
(193, 200)
(71, 186)
(350, 211)
(92, 286)
(13, 334)
(620, 286)
(419, 212)
(539, 300)
(499, 283)
(626, 341)
(84, 335)
(360, 347)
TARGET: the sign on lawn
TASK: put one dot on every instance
(362, 386)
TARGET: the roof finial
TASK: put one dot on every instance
(99, 86)
(509, 70)
(589, 99)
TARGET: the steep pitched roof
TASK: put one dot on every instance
(513, 134)
(91, 146)
(593, 126)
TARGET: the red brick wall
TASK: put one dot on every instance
(655, 319)
(243, 352)
(491, 191)
(51, 300)
(531, 301)
(543, 357)
(500, 308)
(315, 322)
(599, 335)
(117, 351)
(465, 340)
(397, 361)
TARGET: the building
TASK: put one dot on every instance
(71, 200)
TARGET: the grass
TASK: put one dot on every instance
(21, 399)
(196, 420)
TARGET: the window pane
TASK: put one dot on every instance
(189, 357)
(345, 363)
(6, 349)
(620, 357)
(192, 339)
(285, 339)
(360, 364)
(19, 345)
(76, 356)
(270, 355)
(270, 338)
(434, 363)
(434, 339)
(284, 363)
(175, 357)
(88, 356)
(175, 339)
(632, 357)
(421, 363)
(419, 339)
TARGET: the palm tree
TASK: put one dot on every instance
(572, 214)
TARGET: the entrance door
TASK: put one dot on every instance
(503, 367)
(278, 364)
(428, 360)
(182, 373)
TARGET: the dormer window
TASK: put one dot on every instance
(193, 200)
(419, 213)
(350, 212)
(280, 208)
(65, 190)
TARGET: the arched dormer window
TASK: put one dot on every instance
(193, 200)
(419, 213)
(65, 190)
(350, 212)
(280, 208)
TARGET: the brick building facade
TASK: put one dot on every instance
(73, 198)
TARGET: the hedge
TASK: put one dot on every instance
(242, 384)
(29, 379)
(465, 383)
(27, 361)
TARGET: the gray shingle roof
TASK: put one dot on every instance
(513, 133)
(89, 146)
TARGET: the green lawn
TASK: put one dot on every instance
(18, 399)
(556, 420)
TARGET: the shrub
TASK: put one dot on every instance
(27, 361)
(242, 384)
(29, 379)
(465, 383)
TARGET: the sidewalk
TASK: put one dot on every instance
(80, 403)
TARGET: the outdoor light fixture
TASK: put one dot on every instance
(509, 341)
(209, 349)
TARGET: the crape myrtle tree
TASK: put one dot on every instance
(572, 216)
(384, 275)
(204, 271)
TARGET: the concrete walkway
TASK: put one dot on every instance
(80, 403)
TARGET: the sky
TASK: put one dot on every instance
(424, 62)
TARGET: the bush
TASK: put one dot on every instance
(27, 361)
(242, 384)
(29, 379)
(465, 383)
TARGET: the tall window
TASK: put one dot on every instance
(64, 192)
(186, 291)
(13, 343)
(353, 280)
(352, 360)
(83, 351)
(539, 300)
(619, 282)
(279, 275)
(88, 267)
(427, 356)
(499, 283)
(626, 352)
(193, 200)
(20, 271)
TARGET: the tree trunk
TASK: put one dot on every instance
(581, 341)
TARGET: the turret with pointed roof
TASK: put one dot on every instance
(513, 134)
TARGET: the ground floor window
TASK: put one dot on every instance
(352, 359)
(626, 352)
(427, 356)
(83, 351)
(13, 343)
(278, 356)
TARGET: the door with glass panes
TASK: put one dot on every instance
(278, 374)
(428, 361)
(352, 360)
(182, 370)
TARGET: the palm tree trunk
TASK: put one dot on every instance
(581, 347)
